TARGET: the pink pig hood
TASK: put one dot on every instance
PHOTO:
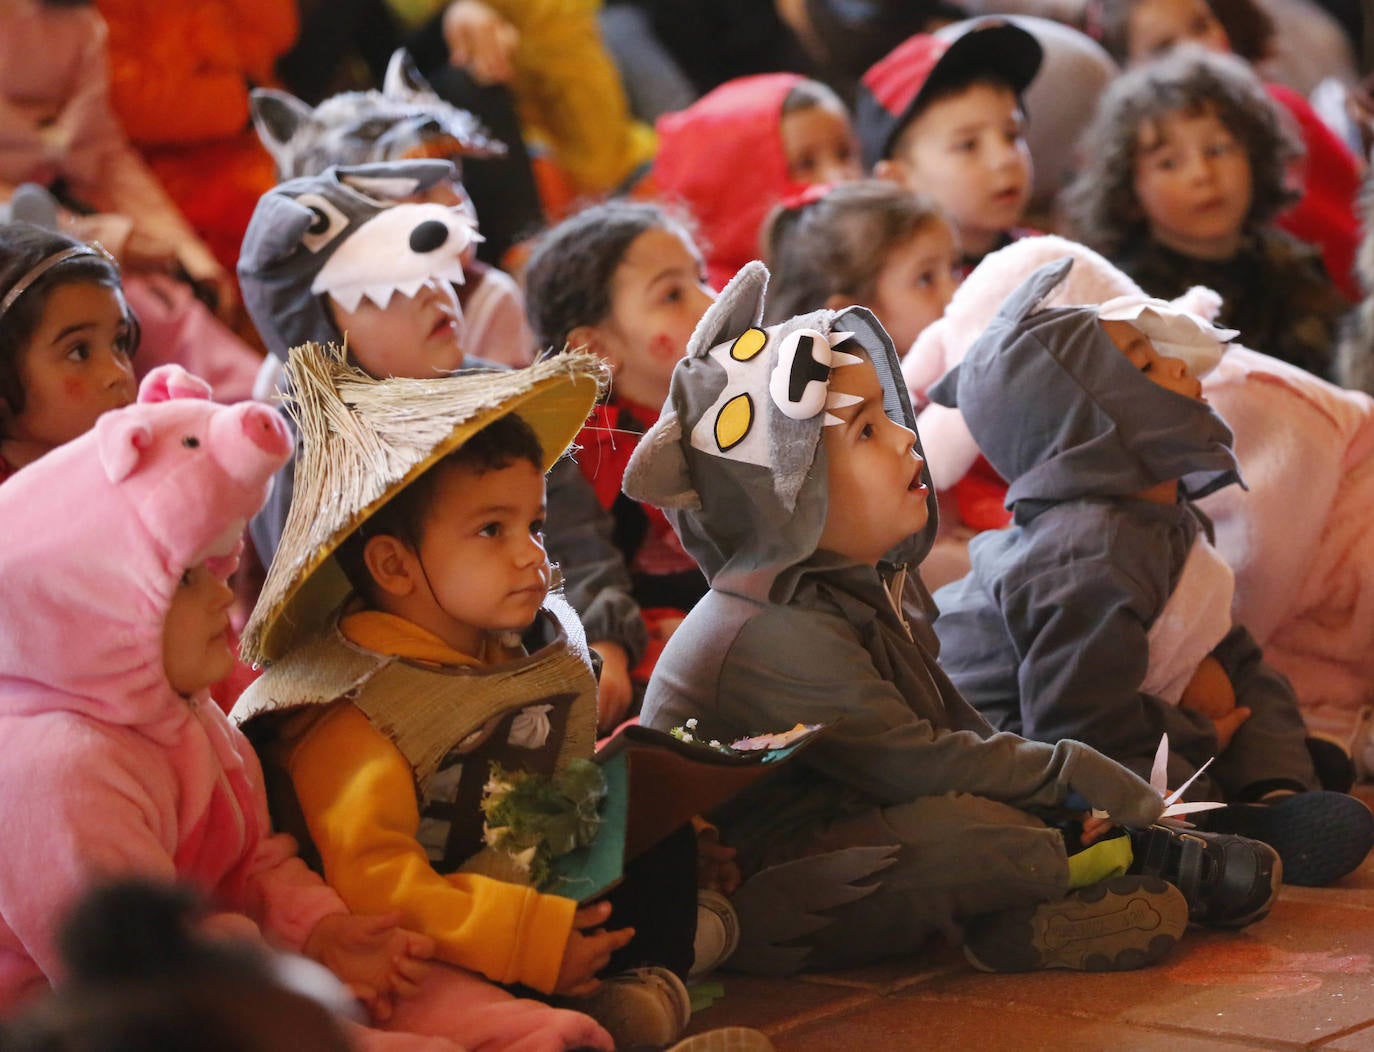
(97, 534)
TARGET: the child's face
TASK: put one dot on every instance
(196, 651)
(418, 336)
(916, 282)
(968, 151)
(1169, 373)
(482, 550)
(876, 497)
(1192, 179)
(658, 294)
(75, 367)
(1155, 26)
(820, 145)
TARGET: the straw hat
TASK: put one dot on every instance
(364, 440)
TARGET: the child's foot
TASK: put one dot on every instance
(1320, 836)
(1229, 881)
(1332, 762)
(726, 1039)
(1362, 745)
(1111, 926)
(717, 933)
(640, 1007)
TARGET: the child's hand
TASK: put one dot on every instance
(1209, 692)
(377, 960)
(586, 954)
(614, 692)
(717, 869)
(1226, 726)
(480, 41)
(1094, 828)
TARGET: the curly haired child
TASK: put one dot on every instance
(1184, 170)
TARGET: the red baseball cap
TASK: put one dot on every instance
(897, 86)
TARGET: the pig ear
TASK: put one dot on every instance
(171, 381)
(121, 437)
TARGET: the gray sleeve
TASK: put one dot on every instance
(265, 528)
(1081, 636)
(595, 579)
(878, 741)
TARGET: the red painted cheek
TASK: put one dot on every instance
(73, 390)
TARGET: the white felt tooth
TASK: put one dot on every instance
(452, 272)
(408, 289)
(841, 399)
(831, 420)
(348, 298)
(839, 359)
(839, 337)
(379, 294)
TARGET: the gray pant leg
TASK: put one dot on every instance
(956, 856)
(654, 82)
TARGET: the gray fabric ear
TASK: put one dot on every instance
(403, 77)
(277, 116)
(945, 391)
(657, 472)
(276, 235)
(738, 307)
(1031, 293)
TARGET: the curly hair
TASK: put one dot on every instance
(22, 247)
(837, 243)
(1101, 203)
(568, 278)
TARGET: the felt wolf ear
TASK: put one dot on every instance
(738, 308)
(279, 224)
(403, 77)
(657, 472)
(1027, 296)
(277, 116)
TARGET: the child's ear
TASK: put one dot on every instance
(588, 338)
(391, 565)
(838, 300)
(891, 169)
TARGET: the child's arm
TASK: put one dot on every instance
(358, 797)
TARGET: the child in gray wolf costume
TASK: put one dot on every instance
(1095, 614)
(908, 815)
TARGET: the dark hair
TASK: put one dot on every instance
(838, 243)
(947, 89)
(142, 977)
(22, 247)
(568, 278)
(1101, 202)
(504, 441)
(1248, 27)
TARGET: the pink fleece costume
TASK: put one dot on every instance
(1296, 540)
(722, 158)
(56, 123)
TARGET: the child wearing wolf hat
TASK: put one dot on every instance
(346, 254)
(787, 461)
(389, 713)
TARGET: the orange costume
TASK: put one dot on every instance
(179, 80)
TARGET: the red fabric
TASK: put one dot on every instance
(980, 497)
(1325, 214)
(899, 76)
(722, 158)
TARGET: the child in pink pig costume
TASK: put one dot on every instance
(109, 771)
(1296, 541)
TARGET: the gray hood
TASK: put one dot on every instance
(735, 460)
(345, 233)
(1094, 425)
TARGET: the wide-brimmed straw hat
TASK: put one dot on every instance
(364, 440)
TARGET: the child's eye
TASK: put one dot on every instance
(79, 352)
(925, 279)
(491, 529)
(537, 529)
(1219, 149)
(673, 295)
(966, 145)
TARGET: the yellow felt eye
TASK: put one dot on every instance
(748, 344)
(733, 423)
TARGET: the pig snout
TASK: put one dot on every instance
(250, 441)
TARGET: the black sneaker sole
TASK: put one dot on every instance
(1320, 836)
(1113, 926)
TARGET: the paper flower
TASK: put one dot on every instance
(535, 818)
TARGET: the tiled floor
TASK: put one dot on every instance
(1303, 978)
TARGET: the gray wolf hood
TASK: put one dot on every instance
(735, 460)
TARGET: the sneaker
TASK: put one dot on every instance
(726, 1039)
(1332, 762)
(717, 933)
(1320, 836)
(1111, 926)
(640, 1007)
(1229, 881)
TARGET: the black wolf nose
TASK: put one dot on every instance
(428, 236)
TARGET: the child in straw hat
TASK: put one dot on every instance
(389, 713)
(346, 255)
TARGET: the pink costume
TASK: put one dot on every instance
(1296, 540)
(56, 123)
(106, 770)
